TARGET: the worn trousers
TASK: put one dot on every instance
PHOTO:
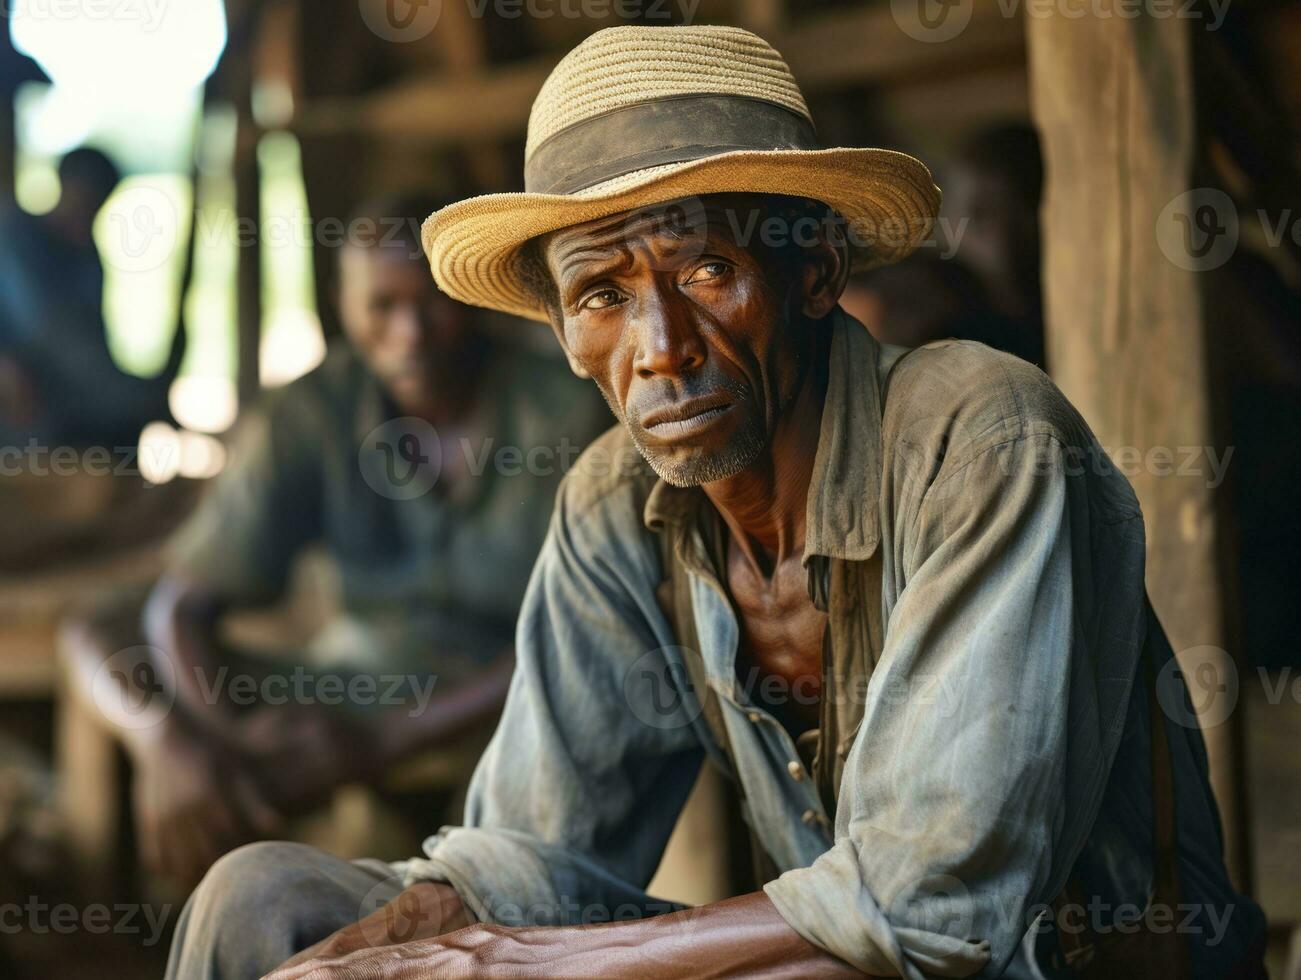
(262, 903)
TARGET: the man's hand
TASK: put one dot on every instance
(304, 751)
(425, 910)
(449, 957)
(193, 802)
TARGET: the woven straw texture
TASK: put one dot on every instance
(888, 198)
(622, 66)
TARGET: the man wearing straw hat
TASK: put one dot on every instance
(897, 596)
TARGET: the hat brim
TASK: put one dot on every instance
(888, 199)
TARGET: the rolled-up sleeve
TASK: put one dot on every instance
(983, 749)
(572, 804)
(262, 510)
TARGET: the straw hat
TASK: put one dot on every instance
(637, 116)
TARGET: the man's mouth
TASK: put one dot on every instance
(688, 418)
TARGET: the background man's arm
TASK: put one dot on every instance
(468, 704)
(194, 795)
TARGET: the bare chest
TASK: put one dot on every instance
(780, 658)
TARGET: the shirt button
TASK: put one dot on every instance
(809, 816)
(796, 770)
(754, 717)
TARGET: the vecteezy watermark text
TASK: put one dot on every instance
(936, 21)
(403, 21)
(38, 459)
(40, 918)
(136, 688)
(148, 13)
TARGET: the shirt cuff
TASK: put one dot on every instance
(501, 880)
(830, 906)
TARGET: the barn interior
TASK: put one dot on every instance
(1121, 187)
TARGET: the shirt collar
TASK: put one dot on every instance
(842, 517)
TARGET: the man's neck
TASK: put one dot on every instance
(765, 505)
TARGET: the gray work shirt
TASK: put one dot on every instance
(1001, 741)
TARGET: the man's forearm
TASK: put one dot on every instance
(740, 937)
(179, 620)
(401, 732)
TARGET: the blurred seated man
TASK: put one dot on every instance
(993, 194)
(58, 381)
(424, 459)
(925, 298)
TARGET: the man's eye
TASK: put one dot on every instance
(708, 272)
(600, 299)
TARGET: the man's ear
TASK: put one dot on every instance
(826, 271)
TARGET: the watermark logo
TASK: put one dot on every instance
(143, 226)
(682, 223)
(931, 21)
(401, 21)
(939, 904)
(1209, 677)
(135, 687)
(1198, 230)
(389, 915)
(401, 459)
(659, 690)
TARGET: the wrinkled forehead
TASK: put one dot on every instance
(725, 217)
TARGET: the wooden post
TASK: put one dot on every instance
(248, 214)
(1112, 98)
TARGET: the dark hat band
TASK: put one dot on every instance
(674, 129)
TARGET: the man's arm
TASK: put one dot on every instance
(739, 937)
(964, 801)
(194, 797)
(195, 793)
(394, 735)
(180, 621)
(992, 717)
(307, 750)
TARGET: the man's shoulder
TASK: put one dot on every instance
(975, 396)
(328, 390)
(609, 479)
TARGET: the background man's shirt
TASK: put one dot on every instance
(430, 577)
(52, 325)
(1002, 739)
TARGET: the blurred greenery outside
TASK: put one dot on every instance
(186, 155)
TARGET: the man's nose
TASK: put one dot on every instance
(668, 341)
(407, 326)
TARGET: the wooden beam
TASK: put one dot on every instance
(765, 17)
(1112, 98)
(867, 46)
(830, 50)
(464, 48)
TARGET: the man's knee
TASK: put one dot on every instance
(252, 878)
(251, 912)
